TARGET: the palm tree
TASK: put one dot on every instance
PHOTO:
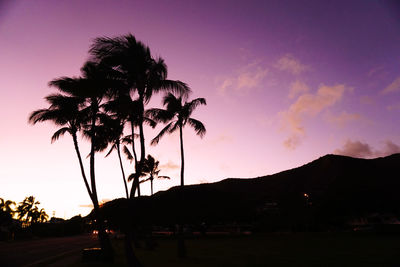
(152, 170)
(127, 109)
(26, 209)
(178, 115)
(110, 131)
(142, 74)
(64, 111)
(5, 205)
(43, 217)
(80, 109)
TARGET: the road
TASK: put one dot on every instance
(32, 252)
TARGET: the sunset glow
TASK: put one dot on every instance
(286, 82)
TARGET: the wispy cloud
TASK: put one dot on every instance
(104, 200)
(344, 118)
(393, 87)
(222, 138)
(169, 166)
(291, 64)
(246, 78)
(298, 88)
(360, 149)
(308, 105)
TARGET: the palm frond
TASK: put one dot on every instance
(150, 122)
(127, 153)
(60, 132)
(176, 87)
(198, 126)
(145, 180)
(159, 115)
(166, 129)
(192, 105)
(114, 146)
(127, 139)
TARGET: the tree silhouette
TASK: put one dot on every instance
(6, 206)
(64, 111)
(123, 106)
(28, 210)
(177, 115)
(112, 128)
(88, 91)
(142, 75)
(152, 170)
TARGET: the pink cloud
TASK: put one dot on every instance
(344, 118)
(169, 166)
(393, 87)
(308, 106)
(245, 78)
(359, 149)
(298, 88)
(290, 64)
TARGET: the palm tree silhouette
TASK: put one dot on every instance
(6, 206)
(142, 74)
(26, 209)
(123, 106)
(111, 129)
(177, 114)
(152, 170)
(64, 111)
(88, 91)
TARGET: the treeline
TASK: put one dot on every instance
(15, 217)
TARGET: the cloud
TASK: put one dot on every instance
(359, 149)
(222, 138)
(290, 64)
(86, 206)
(355, 149)
(344, 118)
(245, 78)
(393, 87)
(308, 105)
(104, 200)
(169, 166)
(297, 88)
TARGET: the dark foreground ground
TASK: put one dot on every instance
(301, 249)
(44, 251)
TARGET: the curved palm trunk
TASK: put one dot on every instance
(122, 170)
(75, 139)
(181, 240)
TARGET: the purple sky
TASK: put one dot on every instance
(285, 81)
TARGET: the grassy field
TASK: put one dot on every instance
(301, 249)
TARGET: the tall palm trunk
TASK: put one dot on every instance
(136, 179)
(75, 139)
(151, 183)
(122, 170)
(105, 243)
(181, 240)
(142, 144)
(182, 157)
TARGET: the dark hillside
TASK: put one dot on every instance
(330, 190)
